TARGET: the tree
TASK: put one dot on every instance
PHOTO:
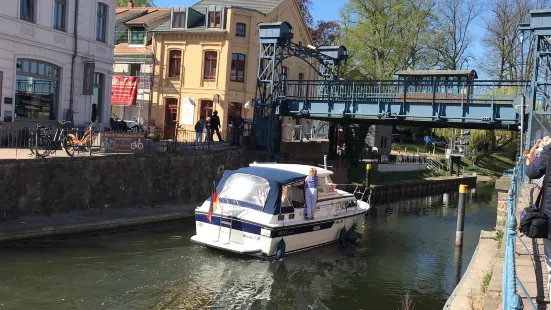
(137, 3)
(305, 7)
(452, 38)
(326, 33)
(502, 45)
(384, 36)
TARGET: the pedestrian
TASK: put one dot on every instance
(237, 126)
(536, 162)
(215, 126)
(199, 127)
(311, 193)
(208, 131)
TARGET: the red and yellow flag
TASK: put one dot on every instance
(213, 205)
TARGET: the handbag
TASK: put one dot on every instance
(534, 223)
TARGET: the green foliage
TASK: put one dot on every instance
(137, 3)
(486, 281)
(499, 238)
(384, 36)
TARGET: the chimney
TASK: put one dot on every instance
(130, 4)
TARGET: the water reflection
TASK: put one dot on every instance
(404, 246)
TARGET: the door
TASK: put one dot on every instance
(171, 117)
(233, 108)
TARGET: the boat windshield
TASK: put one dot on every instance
(245, 188)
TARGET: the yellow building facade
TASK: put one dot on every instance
(206, 59)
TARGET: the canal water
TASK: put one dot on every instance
(405, 246)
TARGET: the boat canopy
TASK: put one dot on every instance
(262, 188)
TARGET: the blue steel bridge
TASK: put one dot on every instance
(433, 98)
(427, 101)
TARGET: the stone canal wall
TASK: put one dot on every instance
(61, 185)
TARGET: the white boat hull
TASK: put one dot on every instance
(256, 239)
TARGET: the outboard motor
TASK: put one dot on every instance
(280, 250)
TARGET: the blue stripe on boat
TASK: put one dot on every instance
(278, 232)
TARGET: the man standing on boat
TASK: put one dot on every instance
(311, 192)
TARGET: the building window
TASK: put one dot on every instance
(237, 68)
(36, 90)
(101, 22)
(135, 69)
(27, 10)
(300, 82)
(174, 64)
(210, 65)
(97, 97)
(215, 19)
(284, 72)
(240, 30)
(60, 13)
(207, 106)
(171, 111)
(137, 36)
(178, 19)
(383, 142)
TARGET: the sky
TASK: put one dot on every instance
(329, 10)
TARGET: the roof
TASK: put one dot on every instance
(263, 6)
(279, 176)
(301, 169)
(149, 17)
(437, 73)
(124, 49)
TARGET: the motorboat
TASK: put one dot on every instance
(259, 210)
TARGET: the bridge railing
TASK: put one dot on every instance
(461, 92)
(510, 297)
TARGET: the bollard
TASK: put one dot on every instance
(325, 162)
(367, 174)
(463, 190)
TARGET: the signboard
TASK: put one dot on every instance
(88, 78)
(8, 100)
(188, 111)
(124, 90)
(122, 142)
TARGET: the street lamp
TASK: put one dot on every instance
(521, 39)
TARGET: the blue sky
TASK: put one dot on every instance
(329, 10)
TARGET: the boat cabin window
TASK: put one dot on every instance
(293, 195)
(246, 188)
(326, 185)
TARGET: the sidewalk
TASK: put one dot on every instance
(90, 220)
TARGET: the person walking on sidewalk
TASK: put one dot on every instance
(199, 127)
(311, 193)
(215, 126)
(535, 170)
(237, 124)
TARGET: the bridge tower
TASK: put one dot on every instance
(276, 45)
(537, 114)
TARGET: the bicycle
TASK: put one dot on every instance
(73, 143)
(137, 145)
(107, 145)
(42, 143)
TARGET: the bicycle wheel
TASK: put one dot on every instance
(69, 146)
(42, 147)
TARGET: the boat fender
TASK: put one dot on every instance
(342, 236)
(351, 234)
(280, 249)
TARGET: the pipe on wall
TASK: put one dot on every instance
(69, 115)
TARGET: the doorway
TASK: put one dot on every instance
(171, 117)
(233, 108)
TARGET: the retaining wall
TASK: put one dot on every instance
(59, 185)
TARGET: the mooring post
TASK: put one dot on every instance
(463, 190)
(367, 173)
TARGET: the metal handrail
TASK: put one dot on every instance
(510, 297)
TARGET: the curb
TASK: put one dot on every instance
(79, 227)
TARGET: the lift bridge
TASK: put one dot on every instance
(418, 98)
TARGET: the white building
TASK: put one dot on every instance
(39, 79)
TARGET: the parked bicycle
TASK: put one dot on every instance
(42, 142)
(73, 143)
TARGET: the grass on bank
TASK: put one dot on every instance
(498, 236)
(414, 148)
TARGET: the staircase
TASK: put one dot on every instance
(435, 165)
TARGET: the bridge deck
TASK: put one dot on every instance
(468, 104)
